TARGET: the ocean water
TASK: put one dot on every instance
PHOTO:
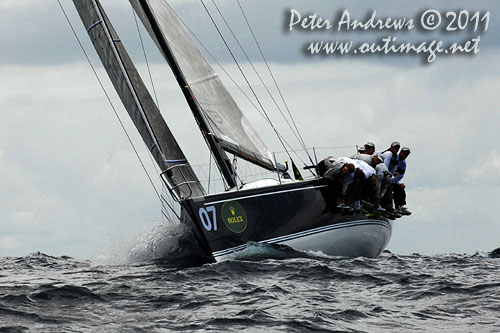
(159, 285)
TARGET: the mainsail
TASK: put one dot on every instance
(217, 109)
(138, 102)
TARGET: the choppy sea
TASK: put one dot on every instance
(160, 285)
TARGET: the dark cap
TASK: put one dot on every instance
(395, 143)
(369, 145)
(405, 150)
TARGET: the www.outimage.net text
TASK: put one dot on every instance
(465, 21)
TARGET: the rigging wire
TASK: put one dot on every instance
(238, 87)
(164, 188)
(113, 107)
(209, 169)
(220, 66)
(339, 147)
(145, 56)
(150, 78)
(273, 78)
(261, 111)
(297, 135)
(243, 74)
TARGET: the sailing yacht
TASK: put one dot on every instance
(299, 214)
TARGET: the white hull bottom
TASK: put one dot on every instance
(361, 238)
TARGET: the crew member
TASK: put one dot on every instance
(369, 148)
(398, 187)
(383, 175)
(340, 173)
(390, 157)
(365, 182)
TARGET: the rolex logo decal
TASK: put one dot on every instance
(234, 216)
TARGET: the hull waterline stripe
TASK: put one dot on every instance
(298, 235)
(306, 233)
(264, 194)
(325, 228)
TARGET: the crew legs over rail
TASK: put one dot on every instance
(368, 182)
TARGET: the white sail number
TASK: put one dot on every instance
(205, 218)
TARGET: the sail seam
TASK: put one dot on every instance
(203, 79)
(237, 86)
(244, 76)
(94, 25)
(175, 161)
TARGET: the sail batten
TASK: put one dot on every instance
(217, 108)
(137, 101)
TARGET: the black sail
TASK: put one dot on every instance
(138, 102)
(217, 109)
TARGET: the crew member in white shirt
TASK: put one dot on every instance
(390, 156)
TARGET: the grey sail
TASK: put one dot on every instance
(218, 109)
(138, 102)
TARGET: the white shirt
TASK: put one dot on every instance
(388, 156)
(362, 165)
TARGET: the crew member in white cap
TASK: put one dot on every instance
(369, 148)
(391, 156)
(365, 153)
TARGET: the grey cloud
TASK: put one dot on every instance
(37, 33)
(72, 184)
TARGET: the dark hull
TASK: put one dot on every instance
(299, 214)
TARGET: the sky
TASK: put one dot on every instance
(71, 184)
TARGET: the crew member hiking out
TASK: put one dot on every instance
(390, 156)
(398, 187)
(338, 173)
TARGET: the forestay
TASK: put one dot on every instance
(218, 109)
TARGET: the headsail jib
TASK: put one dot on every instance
(220, 120)
(138, 102)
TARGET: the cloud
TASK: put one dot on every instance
(71, 183)
(445, 219)
(37, 32)
(11, 4)
(67, 168)
(23, 218)
(67, 165)
(485, 168)
(9, 242)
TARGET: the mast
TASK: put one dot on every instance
(220, 156)
(175, 169)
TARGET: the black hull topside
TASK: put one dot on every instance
(300, 214)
